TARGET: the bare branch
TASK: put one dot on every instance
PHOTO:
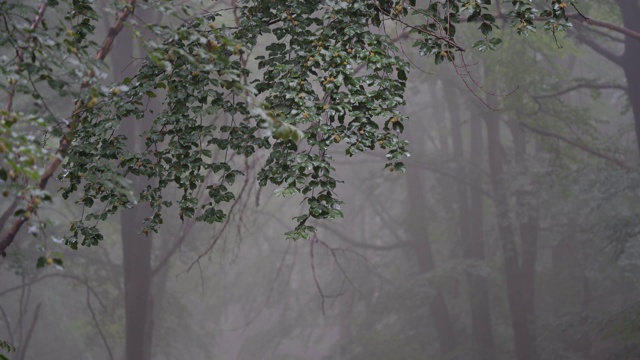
(65, 276)
(577, 144)
(95, 318)
(350, 241)
(604, 52)
(23, 346)
(582, 86)
(603, 24)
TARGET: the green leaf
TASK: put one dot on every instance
(284, 192)
(42, 261)
(375, 20)
(88, 202)
(485, 28)
(402, 75)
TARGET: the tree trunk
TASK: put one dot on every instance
(136, 247)
(419, 232)
(528, 225)
(569, 289)
(629, 60)
(513, 278)
(471, 236)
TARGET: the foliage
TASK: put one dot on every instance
(331, 79)
(5, 346)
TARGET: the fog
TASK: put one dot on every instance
(513, 233)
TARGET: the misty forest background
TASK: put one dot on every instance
(513, 233)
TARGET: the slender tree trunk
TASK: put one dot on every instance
(471, 236)
(419, 231)
(136, 247)
(477, 243)
(570, 289)
(528, 225)
(513, 277)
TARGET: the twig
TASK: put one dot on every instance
(8, 323)
(314, 239)
(65, 276)
(352, 242)
(23, 346)
(426, 32)
(95, 319)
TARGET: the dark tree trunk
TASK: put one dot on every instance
(630, 9)
(569, 288)
(471, 236)
(420, 234)
(528, 225)
(513, 277)
(136, 247)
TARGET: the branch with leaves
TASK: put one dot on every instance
(311, 98)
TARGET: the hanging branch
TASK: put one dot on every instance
(64, 141)
(20, 53)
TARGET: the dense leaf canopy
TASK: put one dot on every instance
(330, 80)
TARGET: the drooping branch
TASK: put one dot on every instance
(582, 19)
(447, 39)
(64, 141)
(20, 53)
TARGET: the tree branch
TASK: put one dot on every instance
(25, 345)
(577, 144)
(8, 212)
(20, 53)
(64, 276)
(95, 319)
(603, 24)
(65, 141)
(582, 86)
(604, 52)
(355, 243)
(115, 29)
